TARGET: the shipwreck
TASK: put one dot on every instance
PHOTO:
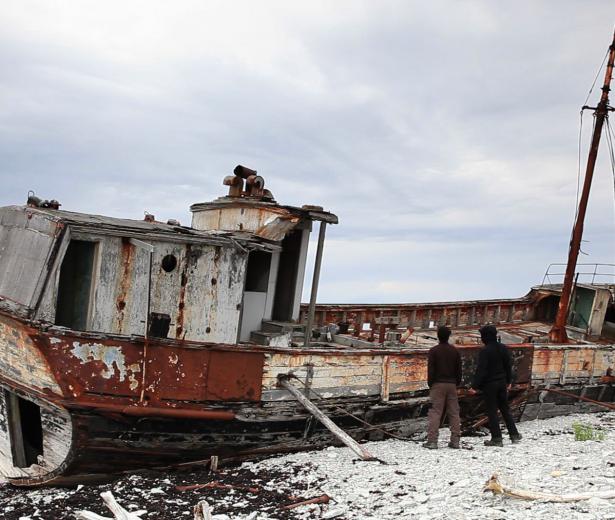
(128, 344)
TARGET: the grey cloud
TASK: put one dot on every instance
(450, 123)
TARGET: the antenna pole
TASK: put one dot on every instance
(558, 332)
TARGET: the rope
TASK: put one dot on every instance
(610, 145)
(596, 78)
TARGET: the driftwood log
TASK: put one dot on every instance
(202, 511)
(119, 513)
(497, 488)
(328, 423)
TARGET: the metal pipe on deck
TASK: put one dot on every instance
(315, 279)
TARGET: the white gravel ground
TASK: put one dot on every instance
(414, 483)
(447, 484)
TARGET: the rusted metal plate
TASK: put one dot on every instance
(235, 376)
(95, 366)
(424, 315)
(21, 361)
(407, 373)
(178, 374)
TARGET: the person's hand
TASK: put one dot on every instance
(509, 387)
(471, 391)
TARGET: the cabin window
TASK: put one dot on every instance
(581, 307)
(169, 263)
(25, 430)
(257, 272)
(546, 310)
(75, 288)
(159, 325)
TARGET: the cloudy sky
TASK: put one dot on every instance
(443, 133)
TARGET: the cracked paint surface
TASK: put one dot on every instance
(112, 357)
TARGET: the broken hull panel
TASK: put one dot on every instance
(107, 444)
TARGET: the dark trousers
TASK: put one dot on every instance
(443, 396)
(496, 398)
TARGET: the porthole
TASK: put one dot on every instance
(169, 262)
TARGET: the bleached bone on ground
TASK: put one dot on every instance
(119, 513)
(202, 511)
(497, 488)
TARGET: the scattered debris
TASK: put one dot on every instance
(322, 499)
(422, 483)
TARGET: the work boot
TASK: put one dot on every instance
(516, 438)
(494, 442)
(454, 443)
(431, 445)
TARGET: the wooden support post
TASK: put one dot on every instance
(328, 423)
(562, 375)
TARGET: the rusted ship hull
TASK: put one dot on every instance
(81, 406)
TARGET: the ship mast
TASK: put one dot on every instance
(558, 332)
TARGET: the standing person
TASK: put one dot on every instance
(443, 378)
(494, 377)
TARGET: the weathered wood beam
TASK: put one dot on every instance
(328, 423)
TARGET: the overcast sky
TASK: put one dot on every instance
(443, 133)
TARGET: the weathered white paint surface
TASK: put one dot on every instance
(329, 375)
(22, 362)
(202, 294)
(26, 241)
(57, 438)
(253, 313)
(236, 218)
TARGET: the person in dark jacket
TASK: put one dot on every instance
(493, 377)
(443, 378)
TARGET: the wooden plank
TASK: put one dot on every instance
(328, 423)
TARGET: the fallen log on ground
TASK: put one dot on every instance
(119, 513)
(497, 488)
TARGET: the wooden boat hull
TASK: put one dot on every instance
(106, 404)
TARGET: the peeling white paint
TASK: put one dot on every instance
(112, 357)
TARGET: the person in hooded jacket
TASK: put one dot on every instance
(493, 377)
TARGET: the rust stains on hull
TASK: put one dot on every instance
(179, 320)
(124, 282)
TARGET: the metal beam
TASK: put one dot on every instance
(315, 279)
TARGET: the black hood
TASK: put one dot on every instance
(488, 334)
